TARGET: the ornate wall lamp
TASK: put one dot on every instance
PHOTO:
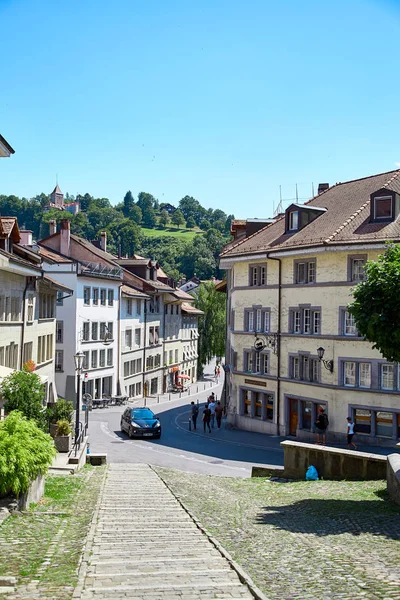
(328, 364)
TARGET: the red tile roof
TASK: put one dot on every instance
(346, 220)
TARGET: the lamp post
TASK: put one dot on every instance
(79, 356)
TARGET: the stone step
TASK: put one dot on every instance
(222, 586)
(205, 563)
(147, 580)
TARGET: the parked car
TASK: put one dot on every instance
(140, 422)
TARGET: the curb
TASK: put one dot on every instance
(243, 576)
(85, 556)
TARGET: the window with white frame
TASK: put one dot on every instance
(305, 320)
(265, 363)
(59, 332)
(257, 275)
(350, 327)
(94, 359)
(387, 377)
(358, 269)
(293, 220)
(95, 330)
(295, 367)
(349, 373)
(95, 296)
(59, 360)
(103, 296)
(137, 337)
(85, 331)
(110, 330)
(257, 362)
(258, 319)
(251, 321)
(102, 358)
(267, 321)
(86, 296)
(109, 357)
(110, 295)
(305, 271)
(364, 375)
(128, 338)
(85, 365)
(138, 307)
(30, 314)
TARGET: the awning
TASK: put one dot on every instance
(183, 377)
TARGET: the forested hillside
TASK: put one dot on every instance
(186, 239)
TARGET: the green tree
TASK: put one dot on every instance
(164, 218)
(191, 207)
(177, 218)
(376, 306)
(25, 453)
(128, 203)
(24, 391)
(190, 223)
(212, 324)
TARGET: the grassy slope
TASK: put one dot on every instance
(181, 234)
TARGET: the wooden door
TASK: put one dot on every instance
(293, 416)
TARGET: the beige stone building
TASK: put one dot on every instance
(292, 346)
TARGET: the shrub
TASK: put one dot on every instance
(23, 391)
(62, 410)
(25, 452)
(63, 427)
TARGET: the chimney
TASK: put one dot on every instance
(26, 237)
(103, 240)
(53, 226)
(322, 187)
(65, 237)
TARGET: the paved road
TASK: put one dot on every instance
(180, 561)
(223, 452)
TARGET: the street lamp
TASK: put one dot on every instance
(79, 357)
(328, 364)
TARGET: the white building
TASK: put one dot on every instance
(27, 309)
(89, 320)
(132, 328)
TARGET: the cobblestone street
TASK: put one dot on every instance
(143, 545)
(305, 540)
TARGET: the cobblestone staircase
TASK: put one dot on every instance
(143, 545)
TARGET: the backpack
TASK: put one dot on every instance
(325, 420)
(195, 410)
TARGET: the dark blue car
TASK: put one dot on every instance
(140, 422)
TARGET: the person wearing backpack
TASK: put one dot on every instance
(321, 426)
(194, 413)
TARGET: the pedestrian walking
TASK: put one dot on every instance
(321, 426)
(219, 371)
(219, 410)
(350, 433)
(194, 413)
(211, 405)
(206, 418)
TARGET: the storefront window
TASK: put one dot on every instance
(362, 420)
(384, 423)
(258, 404)
(246, 402)
(306, 408)
(270, 407)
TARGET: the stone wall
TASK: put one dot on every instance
(33, 494)
(331, 463)
(393, 477)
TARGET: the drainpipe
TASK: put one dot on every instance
(144, 344)
(165, 377)
(119, 358)
(278, 345)
(23, 321)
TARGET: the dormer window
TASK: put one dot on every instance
(293, 220)
(383, 208)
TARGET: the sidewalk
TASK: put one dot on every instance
(143, 545)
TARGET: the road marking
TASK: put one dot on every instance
(105, 429)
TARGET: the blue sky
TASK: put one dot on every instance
(224, 100)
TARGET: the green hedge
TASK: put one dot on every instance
(25, 452)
